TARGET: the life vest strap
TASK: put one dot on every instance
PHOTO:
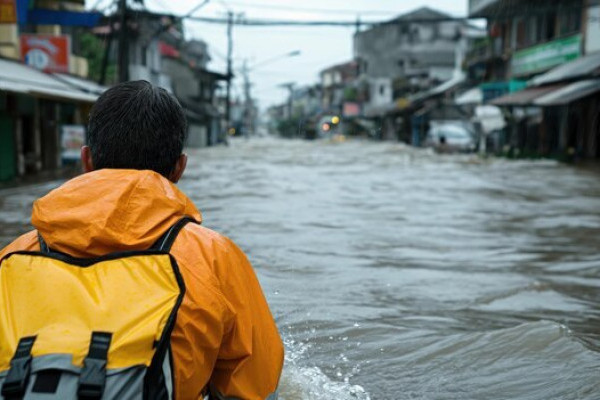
(165, 242)
(15, 384)
(93, 375)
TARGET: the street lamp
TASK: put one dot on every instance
(294, 53)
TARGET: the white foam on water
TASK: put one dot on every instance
(300, 381)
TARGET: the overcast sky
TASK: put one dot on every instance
(320, 46)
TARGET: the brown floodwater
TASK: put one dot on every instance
(396, 273)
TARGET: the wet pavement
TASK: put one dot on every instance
(395, 273)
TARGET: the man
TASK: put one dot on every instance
(225, 341)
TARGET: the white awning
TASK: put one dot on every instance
(20, 78)
(442, 88)
(471, 96)
(570, 93)
(81, 84)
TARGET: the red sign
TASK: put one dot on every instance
(46, 52)
(167, 50)
(351, 109)
(8, 12)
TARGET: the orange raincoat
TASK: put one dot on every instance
(225, 338)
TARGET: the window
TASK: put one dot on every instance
(570, 21)
(531, 31)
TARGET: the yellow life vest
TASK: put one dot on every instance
(89, 328)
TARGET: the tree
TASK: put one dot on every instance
(93, 50)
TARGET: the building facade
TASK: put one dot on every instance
(541, 64)
(409, 54)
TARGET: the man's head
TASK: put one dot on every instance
(136, 125)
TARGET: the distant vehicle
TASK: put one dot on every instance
(449, 138)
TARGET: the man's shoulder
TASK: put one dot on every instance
(206, 236)
(25, 242)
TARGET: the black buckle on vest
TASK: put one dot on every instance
(15, 384)
(93, 375)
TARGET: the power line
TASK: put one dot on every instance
(338, 23)
(261, 22)
(311, 10)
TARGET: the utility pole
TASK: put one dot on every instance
(107, 47)
(123, 43)
(229, 67)
(248, 106)
(290, 87)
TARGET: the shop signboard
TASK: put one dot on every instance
(8, 12)
(545, 56)
(48, 53)
(72, 139)
(351, 109)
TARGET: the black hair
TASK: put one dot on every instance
(136, 125)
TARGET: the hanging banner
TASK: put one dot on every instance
(8, 12)
(48, 53)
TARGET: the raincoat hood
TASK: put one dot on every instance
(109, 210)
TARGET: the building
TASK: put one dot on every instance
(65, 18)
(195, 88)
(403, 63)
(44, 104)
(525, 38)
(409, 54)
(337, 83)
(541, 63)
(42, 118)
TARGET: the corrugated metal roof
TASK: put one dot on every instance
(569, 93)
(524, 97)
(587, 66)
(19, 78)
(440, 89)
(81, 84)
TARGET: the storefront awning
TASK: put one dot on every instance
(471, 96)
(524, 97)
(84, 85)
(588, 66)
(440, 89)
(570, 93)
(19, 78)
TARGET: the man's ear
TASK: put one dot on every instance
(179, 168)
(86, 159)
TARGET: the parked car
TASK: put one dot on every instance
(449, 138)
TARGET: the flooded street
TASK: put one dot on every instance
(395, 273)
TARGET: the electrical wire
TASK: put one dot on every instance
(311, 10)
(338, 23)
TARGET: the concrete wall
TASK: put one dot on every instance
(397, 49)
(197, 136)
